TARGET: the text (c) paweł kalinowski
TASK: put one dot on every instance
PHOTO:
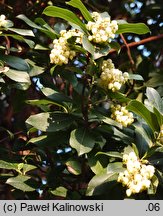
(97, 207)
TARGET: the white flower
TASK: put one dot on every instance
(3, 20)
(61, 52)
(128, 192)
(146, 183)
(132, 156)
(137, 176)
(102, 29)
(111, 78)
(121, 115)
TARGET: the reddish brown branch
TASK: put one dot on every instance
(128, 50)
(133, 44)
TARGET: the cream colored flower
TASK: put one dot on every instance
(112, 78)
(102, 29)
(137, 176)
(122, 116)
(61, 52)
(3, 20)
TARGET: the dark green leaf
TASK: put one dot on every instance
(55, 96)
(143, 137)
(15, 62)
(99, 180)
(82, 140)
(78, 4)
(51, 33)
(20, 38)
(28, 21)
(50, 122)
(65, 14)
(138, 108)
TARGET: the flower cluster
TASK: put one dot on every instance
(102, 29)
(137, 176)
(3, 20)
(112, 78)
(122, 115)
(61, 52)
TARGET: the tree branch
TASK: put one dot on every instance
(128, 51)
(133, 44)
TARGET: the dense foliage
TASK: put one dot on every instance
(81, 108)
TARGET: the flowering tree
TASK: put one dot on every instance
(89, 128)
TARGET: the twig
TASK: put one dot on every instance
(6, 138)
(133, 44)
(7, 45)
(128, 51)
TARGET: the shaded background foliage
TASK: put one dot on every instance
(50, 157)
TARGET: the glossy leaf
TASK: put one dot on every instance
(82, 140)
(15, 62)
(23, 32)
(51, 33)
(78, 4)
(116, 167)
(65, 14)
(18, 76)
(154, 99)
(34, 69)
(55, 95)
(19, 182)
(136, 28)
(138, 108)
(113, 154)
(50, 122)
(87, 45)
(28, 21)
(136, 77)
(20, 38)
(59, 191)
(144, 139)
(8, 165)
(98, 180)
